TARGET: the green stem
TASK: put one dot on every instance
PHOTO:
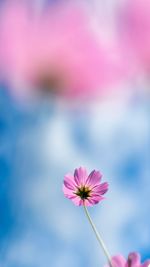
(100, 240)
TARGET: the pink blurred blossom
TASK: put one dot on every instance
(133, 260)
(135, 30)
(84, 189)
(56, 51)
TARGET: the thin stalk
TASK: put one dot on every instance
(100, 240)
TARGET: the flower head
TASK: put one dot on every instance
(84, 189)
(56, 52)
(133, 260)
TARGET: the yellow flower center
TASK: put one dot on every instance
(83, 192)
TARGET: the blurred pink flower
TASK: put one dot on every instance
(56, 51)
(135, 30)
(134, 260)
(84, 189)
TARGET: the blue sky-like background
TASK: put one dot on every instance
(39, 227)
(42, 142)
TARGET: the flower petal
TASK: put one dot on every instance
(96, 198)
(68, 193)
(77, 201)
(134, 260)
(88, 203)
(91, 201)
(117, 261)
(101, 189)
(80, 176)
(93, 178)
(69, 182)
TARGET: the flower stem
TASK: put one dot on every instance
(101, 242)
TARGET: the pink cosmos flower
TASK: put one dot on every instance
(134, 260)
(84, 189)
(56, 51)
(135, 30)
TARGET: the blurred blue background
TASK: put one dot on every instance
(39, 227)
(39, 144)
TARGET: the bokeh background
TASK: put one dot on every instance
(101, 125)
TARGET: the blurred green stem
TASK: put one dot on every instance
(100, 240)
